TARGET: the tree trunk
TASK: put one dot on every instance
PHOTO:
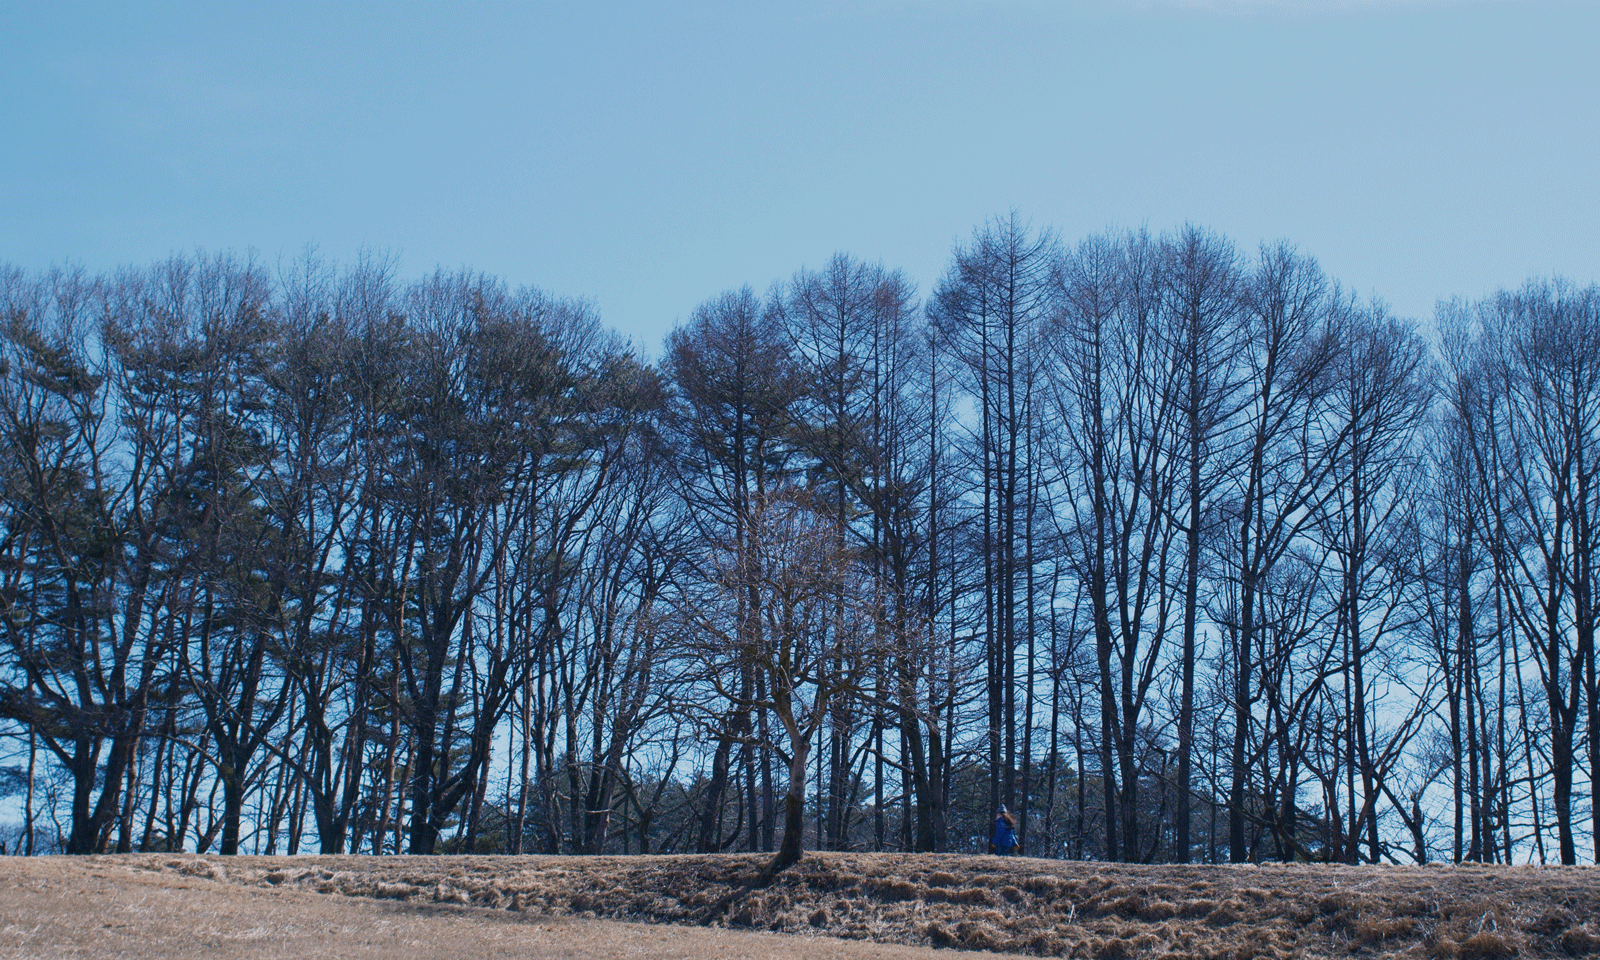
(794, 811)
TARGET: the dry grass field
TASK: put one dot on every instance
(845, 905)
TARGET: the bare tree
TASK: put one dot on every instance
(77, 674)
(1540, 342)
(733, 371)
(1116, 417)
(1278, 483)
(845, 321)
(1200, 346)
(990, 311)
(1380, 393)
(813, 649)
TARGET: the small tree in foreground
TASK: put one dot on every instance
(801, 622)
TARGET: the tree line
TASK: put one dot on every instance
(1180, 552)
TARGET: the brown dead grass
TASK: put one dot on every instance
(1023, 906)
(53, 908)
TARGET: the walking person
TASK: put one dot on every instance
(1004, 841)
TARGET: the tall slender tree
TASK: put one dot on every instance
(990, 310)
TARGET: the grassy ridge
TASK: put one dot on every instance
(1040, 907)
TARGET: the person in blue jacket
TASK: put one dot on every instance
(1004, 841)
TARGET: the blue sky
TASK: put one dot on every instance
(648, 156)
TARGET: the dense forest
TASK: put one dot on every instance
(1182, 552)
